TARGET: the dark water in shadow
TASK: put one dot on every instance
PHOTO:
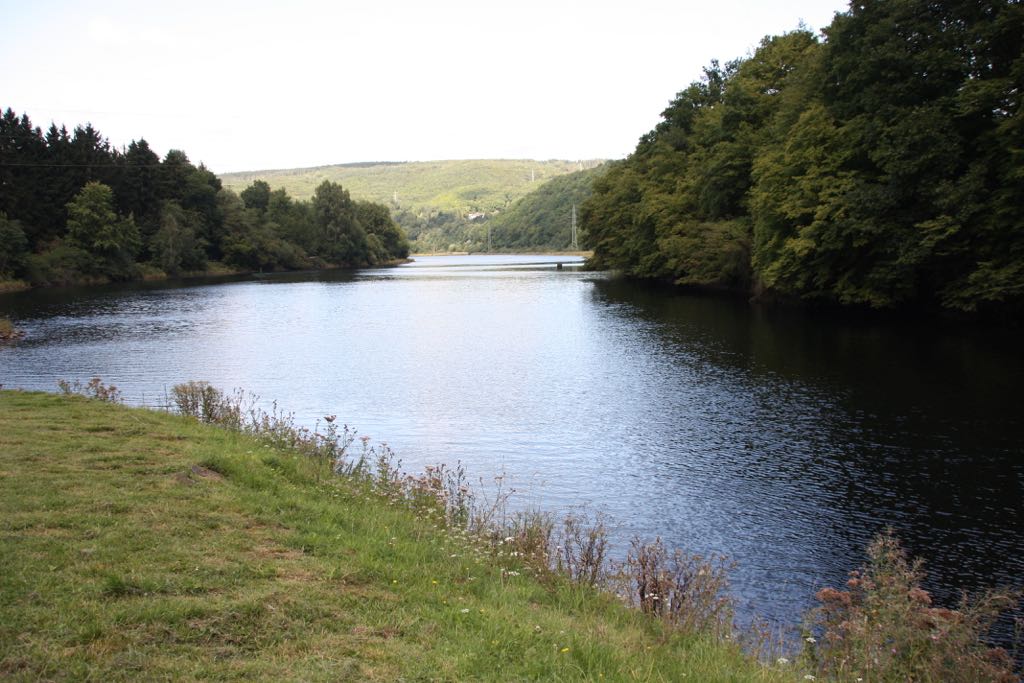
(782, 440)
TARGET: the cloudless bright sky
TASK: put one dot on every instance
(258, 85)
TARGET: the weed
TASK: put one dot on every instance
(529, 534)
(583, 549)
(94, 388)
(199, 400)
(884, 627)
(687, 591)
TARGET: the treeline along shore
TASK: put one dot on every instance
(74, 209)
(880, 165)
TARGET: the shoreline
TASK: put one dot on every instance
(178, 547)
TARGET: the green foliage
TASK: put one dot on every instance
(256, 196)
(175, 246)
(93, 226)
(75, 210)
(62, 265)
(432, 200)
(251, 240)
(881, 168)
(340, 237)
(543, 218)
(387, 240)
(13, 247)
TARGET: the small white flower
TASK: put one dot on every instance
(811, 640)
(464, 610)
(782, 661)
(808, 677)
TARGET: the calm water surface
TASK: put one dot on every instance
(782, 441)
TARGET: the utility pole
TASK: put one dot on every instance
(574, 244)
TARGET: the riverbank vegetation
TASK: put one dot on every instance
(880, 167)
(73, 209)
(137, 544)
(142, 544)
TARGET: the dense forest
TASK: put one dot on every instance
(74, 209)
(881, 166)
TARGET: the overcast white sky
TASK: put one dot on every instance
(290, 83)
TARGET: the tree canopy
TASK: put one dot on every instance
(74, 209)
(882, 166)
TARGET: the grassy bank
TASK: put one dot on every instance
(140, 545)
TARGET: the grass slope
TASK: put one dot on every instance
(136, 545)
(468, 185)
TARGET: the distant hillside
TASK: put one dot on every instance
(441, 204)
(543, 218)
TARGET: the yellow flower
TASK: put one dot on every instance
(564, 650)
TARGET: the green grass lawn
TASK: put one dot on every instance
(137, 545)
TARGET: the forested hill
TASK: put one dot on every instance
(75, 209)
(441, 205)
(880, 166)
(542, 220)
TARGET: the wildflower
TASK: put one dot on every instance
(811, 639)
(433, 581)
(782, 661)
(464, 610)
(808, 677)
(564, 650)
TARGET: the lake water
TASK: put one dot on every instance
(782, 440)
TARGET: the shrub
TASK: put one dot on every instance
(687, 591)
(583, 548)
(884, 627)
(8, 331)
(94, 389)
